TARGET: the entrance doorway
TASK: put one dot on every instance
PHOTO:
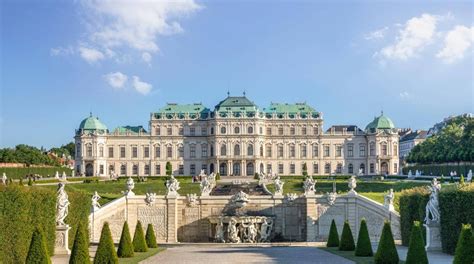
(250, 169)
(236, 169)
(384, 168)
(89, 169)
(223, 169)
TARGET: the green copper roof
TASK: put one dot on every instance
(130, 129)
(236, 104)
(194, 110)
(291, 109)
(92, 123)
(380, 122)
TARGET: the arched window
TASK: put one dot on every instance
(223, 150)
(236, 130)
(212, 131)
(250, 150)
(250, 130)
(123, 169)
(135, 169)
(223, 130)
(350, 168)
(237, 150)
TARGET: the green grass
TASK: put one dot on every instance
(139, 256)
(350, 255)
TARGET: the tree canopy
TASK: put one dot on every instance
(30, 155)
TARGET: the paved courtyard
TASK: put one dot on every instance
(210, 254)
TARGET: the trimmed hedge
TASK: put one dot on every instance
(38, 253)
(139, 243)
(150, 237)
(347, 240)
(79, 210)
(412, 208)
(386, 250)
(106, 250)
(416, 251)
(333, 239)
(440, 169)
(80, 248)
(125, 247)
(21, 172)
(465, 247)
(364, 247)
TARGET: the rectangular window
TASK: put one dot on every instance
(192, 169)
(269, 151)
(280, 151)
(281, 168)
(350, 150)
(181, 169)
(315, 151)
(158, 169)
(303, 131)
(280, 131)
(327, 168)
(169, 152)
(315, 131)
(303, 151)
(338, 151)
(111, 152)
(315, 168)
(101, 151)
(101, 169)
(269, 131)
(180, 152)
(122, 152)
(384, 149)
(192, 151)
(89, 150)
(326, 151)
(269, 168)
(192, 131)
(203, 131)
(169, 131)
(372, 149)
(157, 151)
(147, 169)
(395, 168)
(292, 131)
(134, 152)
(204, 150)
(146, 152)
(180, 131)
(372, 168)
(292, 151)
(361, 150)
(157, 131)
(292, 168)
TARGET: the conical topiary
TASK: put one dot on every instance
(465, 246)
(38, 252)
(347, 240)
(416, 249)
(386, 251)
(80, 248)
(364, 247)
(125, 247)
(139, 243)
(105, 250)
(333, 239)
(150, 237)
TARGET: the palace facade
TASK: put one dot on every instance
(237, 138)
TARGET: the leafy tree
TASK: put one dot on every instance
(416, 250)
(125, 247)
(347, 240)
(80, 248)
(105, 250)
(465, 247)
(150, 237)
(139, 242)
(305, 169)
(386, 251)
(38, 253)
(364, 247)
(169, 168)
(333, 239)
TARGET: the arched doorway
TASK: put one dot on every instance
(89, 169)
(236, 169)
(250, 169)
(384, 168)
(211, 168)
(223, 169)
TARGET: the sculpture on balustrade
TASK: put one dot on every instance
(172, 186)
(62, 205)
(309, 185)
(95, 201)
(432, 207)
(278, 186)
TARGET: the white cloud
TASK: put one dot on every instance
(456, 43)
(141, 87)
(417, 33)
(116, 79)
(61, 51)
(377, 34)
(135, 24)
(91, 55)
(405, 95)
(146, 57)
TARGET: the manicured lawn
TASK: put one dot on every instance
(139, 256)
(350, 255)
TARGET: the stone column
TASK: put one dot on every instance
(61, 244)
(172, 218)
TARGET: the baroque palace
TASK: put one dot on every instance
(237, 139)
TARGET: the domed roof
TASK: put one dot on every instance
(92, 123)
(380, 122)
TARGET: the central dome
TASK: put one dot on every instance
(92, 123)
(380, 122)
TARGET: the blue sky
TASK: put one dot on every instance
(61, 60)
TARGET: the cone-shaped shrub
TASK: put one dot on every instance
(150, 237)
(386, 251)
(139, 243)
(38, 253)
(105, 250)
(465, 246)
(347, 240)
(125, 247)
(333, 240)
(364, 247)
(80, 248)
(416, 249)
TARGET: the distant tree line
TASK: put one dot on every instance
(30, 155)
(454, 143)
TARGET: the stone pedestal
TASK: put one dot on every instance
(62, 240)
(433, 237)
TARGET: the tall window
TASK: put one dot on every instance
(111, 152)
(147, 169)
(269, 151)
(315, 150)
(223, 150)
(78, 150)
(158, 169)
(181, 169)
(350, 150)
(303, 131)
(261, 151)
(372, 149)
(237, 150)
(101, 169)
(169, 131)
(269, 131)
(339, 168)
(383, 148)
(134, 152)
(192, 169)
(89, 150)
(236, 130)
(250, 150)
(315, 130)
(169, 152)
(280, 131)
(280, 151)
(292, 131)
(281, 168)
(203, 131)
(372, 168)
(326, 150)
(395, 150)
(250, 130)
(361, 150)
(292, 151)
(269, 168)
(327, 168)
(192, 131)
(338, 151)
(146, 152)
(101, 151)
(180, 151)
(261, 130)
(135, 169)
(157, 131)
(204, 150)
(212, 131)
(292, 169)
(204, 167)
(303, 150)
(180, 131)
(157, 151)
(223, 130)
(350, 168)
(212, 151)
(192, 151)
(123, 169)
(315, 168)
(362, 168)
(122, 151)
(395, 168)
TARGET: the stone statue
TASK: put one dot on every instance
(250, 232)
(192, 199)
(206, 186)
(410, 174)
(266, 230)
(173, 186)
(388, 200)
(232, 232)
(73, 173)
(291, 197)
(219, 237)
(309, 185)
(469, 176)
(63, 176)
(352, 185)
(240, 199)
(361, 171)
(130, 184)
(95, 202)
(4, 179)
(278, 186)
(150, 198)
(432, 207)
(332, 196)
(56, 176)
(417, 173)
(62, 205)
